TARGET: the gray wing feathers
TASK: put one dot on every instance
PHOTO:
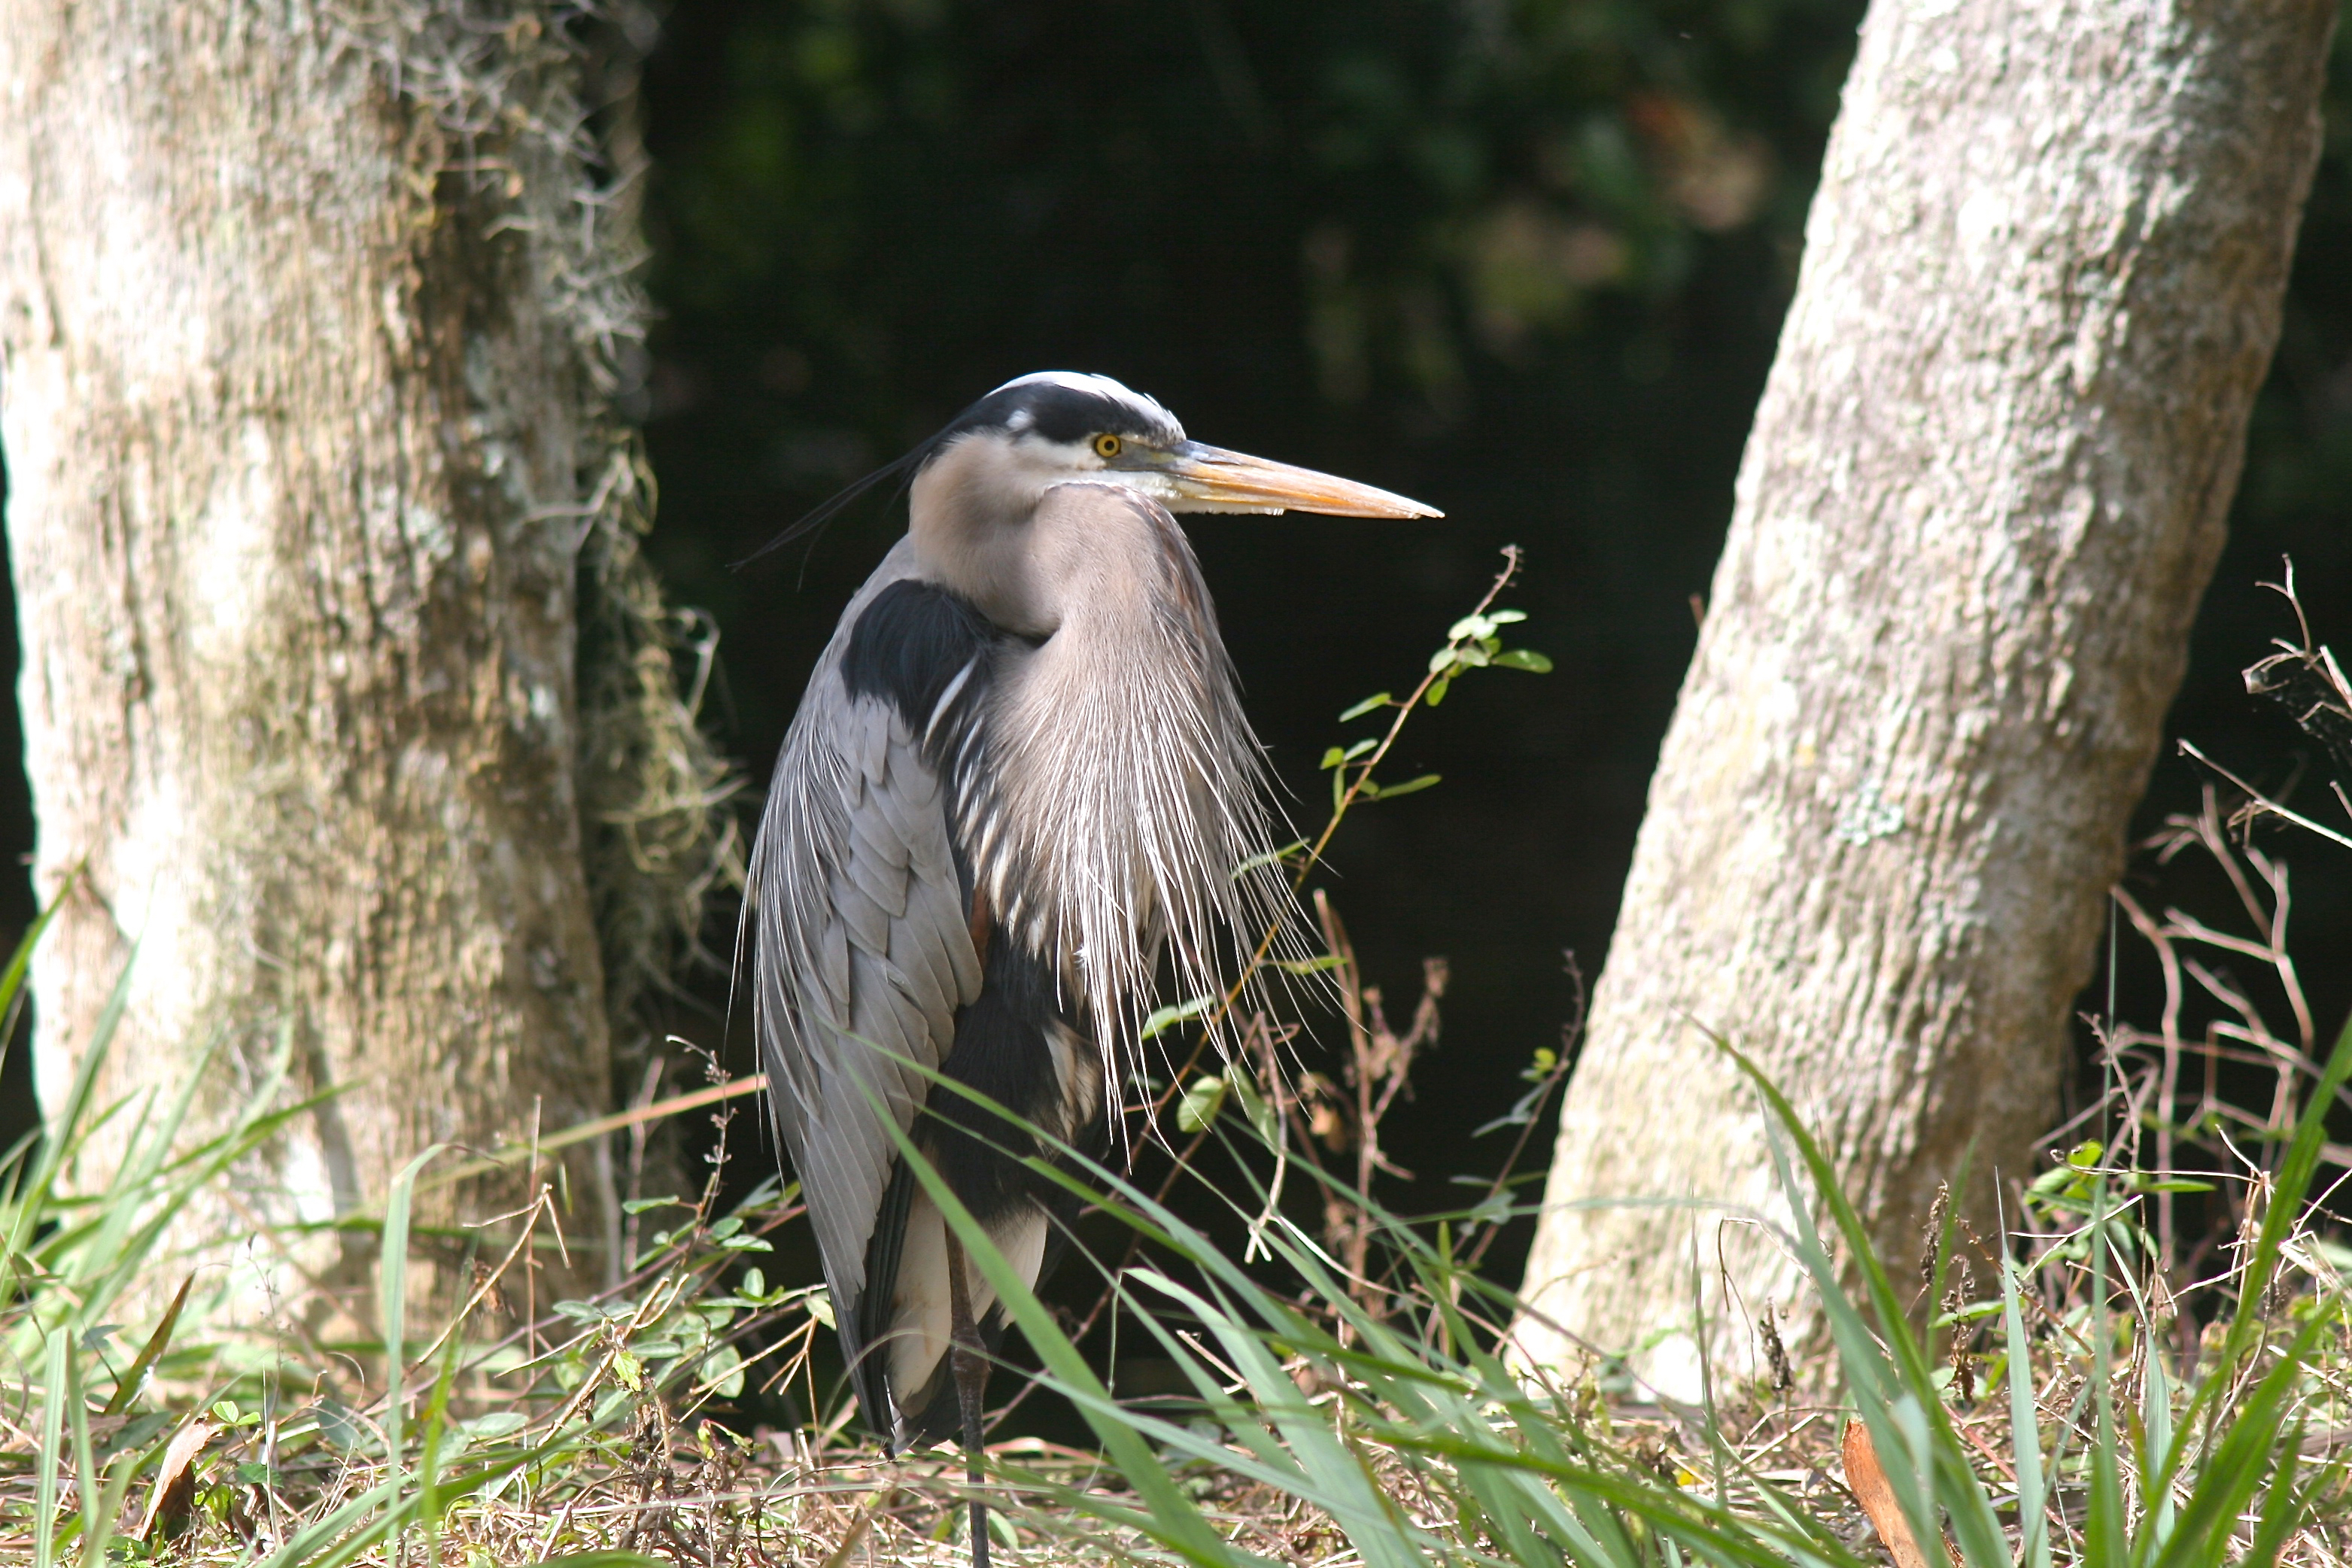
(865, 955)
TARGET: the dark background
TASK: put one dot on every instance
(1524, 259)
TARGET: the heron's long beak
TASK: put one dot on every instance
(1210, 479)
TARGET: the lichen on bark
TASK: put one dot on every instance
(345, 680)
(1987, 484)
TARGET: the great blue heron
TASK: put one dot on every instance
(1021, 772)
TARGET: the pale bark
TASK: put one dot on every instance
(1986, 487)
(306, 322)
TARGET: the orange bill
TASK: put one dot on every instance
(1210, 479)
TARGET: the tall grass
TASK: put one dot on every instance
(1382, 1408)
(1407, 1426)
(1348, 1392)
(394, 1436)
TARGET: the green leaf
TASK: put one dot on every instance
(1175, 1014)
(755, 1283)
(1255, 1106)
(722, 1372)
(1360, 747)
(497, 1423)
(1437, 691)
(639, 1206)
(2052, 1180)
(341, 1426)
(1376, 700)
(1505, 617)
(1444, 659)
(1525, 658)
(1468, 627)
(820, 1306)
(1202, 1102)
(1308, 965)
(1389, 791)
(1332, 758)
(1271, 857)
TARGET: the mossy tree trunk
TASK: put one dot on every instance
(313, 318)
(1986, 487)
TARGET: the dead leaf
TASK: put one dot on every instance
(1866, 1479)
(174, 1496)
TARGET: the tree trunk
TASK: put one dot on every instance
(310, 320)
(1987, 484)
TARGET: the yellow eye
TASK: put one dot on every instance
(1107, 446)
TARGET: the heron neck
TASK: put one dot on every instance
(1123, 783)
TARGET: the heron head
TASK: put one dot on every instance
(987, 519)
(997, 459)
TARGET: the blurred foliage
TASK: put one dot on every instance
(1523, 258)
(871, 193)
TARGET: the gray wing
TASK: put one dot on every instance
(864, 954)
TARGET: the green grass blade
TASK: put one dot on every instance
(2283, 1509)
(2155, 1443)
(2024, 1427)
(2285, 1208)
(52, 1447)
(1896, 1394)
(99, 1501)
(65, 1123)
(436, 1423)
(1178, 1523)
(2107, 1541)
(133, 1380)
(1362, 1509)
(12, 979)
(391, 1274)
(2244, 1458)
(359, 1524)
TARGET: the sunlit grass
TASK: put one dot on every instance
(1345, 1391)
(1327, 1415)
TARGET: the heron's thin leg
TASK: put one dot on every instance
(969, 1365)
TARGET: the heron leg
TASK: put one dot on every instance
(969, 1365)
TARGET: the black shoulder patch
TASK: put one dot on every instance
(909, 644)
